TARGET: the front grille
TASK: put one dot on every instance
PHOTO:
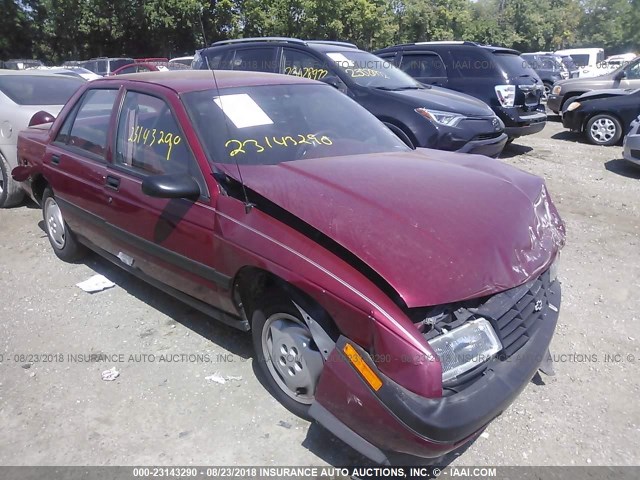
(487, 136)
(517, 313)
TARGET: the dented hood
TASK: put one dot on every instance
(438, 227)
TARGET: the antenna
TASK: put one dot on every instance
(247, 204)
(204, 35)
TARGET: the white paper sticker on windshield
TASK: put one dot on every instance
(340, 59)
(242, 110)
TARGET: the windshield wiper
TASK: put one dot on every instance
(396, 89)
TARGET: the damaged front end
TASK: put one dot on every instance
(380, 422)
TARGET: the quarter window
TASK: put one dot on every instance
(149, 140)
(89, 129)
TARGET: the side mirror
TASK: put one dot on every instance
(620, 75)
(171, 186)
(333, 80)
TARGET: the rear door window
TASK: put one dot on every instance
(90, 125)
(425, 65)
(303, 64)
(255, 60)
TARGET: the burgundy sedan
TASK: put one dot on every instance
(401, 298)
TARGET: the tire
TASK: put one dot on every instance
(603, 129)
(400, 134)
(287, 356)
(61, 238)
(547, 90)
(11, 193)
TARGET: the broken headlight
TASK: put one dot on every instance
(465, 347)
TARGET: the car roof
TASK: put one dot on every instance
(491, 48)
(29, 72)
(183, 81)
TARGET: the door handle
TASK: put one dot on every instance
(112, 182)
(55, 159)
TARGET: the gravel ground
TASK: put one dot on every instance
(62, 413)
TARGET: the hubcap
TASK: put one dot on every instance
(291, 357)
(54, 222)
(603, 130)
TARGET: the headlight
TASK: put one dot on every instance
(444, 118)
(556, 89)
(465, 347)
(506, 95)
(572, 106)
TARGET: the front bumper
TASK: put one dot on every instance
(491, 147)
(631, 151)
(572, 120)
(554, 102)
(394, 419)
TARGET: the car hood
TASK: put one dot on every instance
(441, 99)
(610, 92)
(589, 83)
(438, 227)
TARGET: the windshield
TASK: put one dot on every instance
(367, 70)
(39, 89)
(270, 124)
(116, 64)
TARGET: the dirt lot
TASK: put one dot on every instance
(63, 413)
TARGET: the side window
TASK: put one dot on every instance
(101, 67)
(255, 60)
(88, 130)
(149, 141)
(303, 64)
(472, 63)
(633, 71)
(423, 65)
(131, 69)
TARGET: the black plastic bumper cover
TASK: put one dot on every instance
(457, 417)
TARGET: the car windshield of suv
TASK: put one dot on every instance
(367, 70)
(270, 124)
(39, 89)
(514, 65)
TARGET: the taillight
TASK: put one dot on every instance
(506, 95)
(41, 117)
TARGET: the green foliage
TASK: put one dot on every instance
(58, 30)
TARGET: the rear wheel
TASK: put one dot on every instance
(547, 90)
(286, 353)
(11, 193)
(604, 129)
(61, 238)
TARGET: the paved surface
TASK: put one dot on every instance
(61, 412)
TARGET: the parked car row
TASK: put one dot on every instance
(402, 298)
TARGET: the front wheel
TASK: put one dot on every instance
(286, 353)
(604, 129)
(62, 240)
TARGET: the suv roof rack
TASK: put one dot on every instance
(445, 42)
(285, 40)
(333, 42)
(260, 39)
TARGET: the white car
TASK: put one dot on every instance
(70, 70)
(23, 94)
(590, 60)
(180, 62)
(631, 150)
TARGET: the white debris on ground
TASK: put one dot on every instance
(110, 375)
(217, 378)
(97, 283)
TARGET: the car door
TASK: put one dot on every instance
(632, 76)
(426, 67)
(168, 240)
(75, 163)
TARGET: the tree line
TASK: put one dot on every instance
(57, 30)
